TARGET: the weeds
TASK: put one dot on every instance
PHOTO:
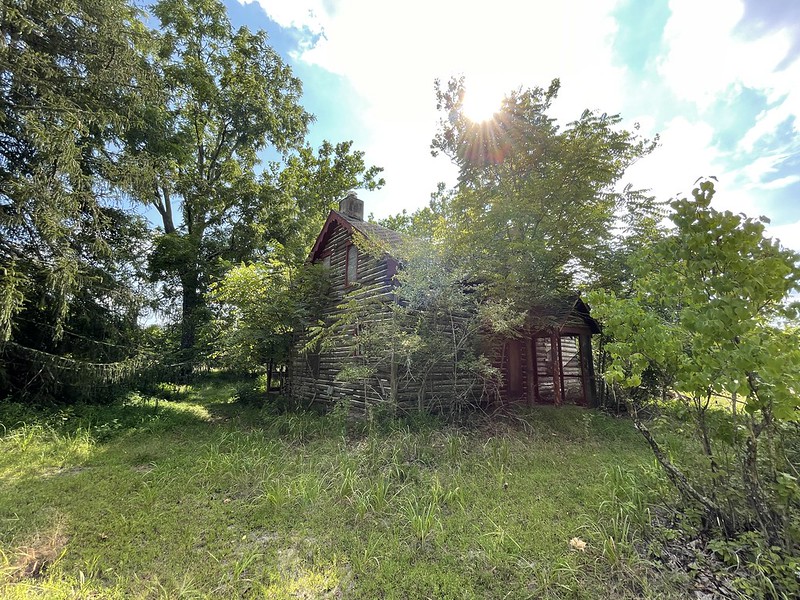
(303, 505)
(423, 519)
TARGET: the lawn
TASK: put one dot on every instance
(203, 496)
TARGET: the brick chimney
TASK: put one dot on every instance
(351, 206)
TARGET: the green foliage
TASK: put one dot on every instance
(259, 306)
(300, 193)
(536, 203)
(770, 573)
(709, 310)
(709, 306)
(69, 255)
(425, 331)
(227, 96)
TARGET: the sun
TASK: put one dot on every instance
(480, 104)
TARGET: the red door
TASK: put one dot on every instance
(514, 370)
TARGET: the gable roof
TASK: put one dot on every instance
(564, 311)
(390, 238)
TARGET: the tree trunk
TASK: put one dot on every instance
(191, 306)
(678, 479)
(755, 493)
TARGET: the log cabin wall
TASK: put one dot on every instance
(314, 376)
(551, 365)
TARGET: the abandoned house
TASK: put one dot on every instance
(551, 365)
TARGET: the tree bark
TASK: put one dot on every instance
(190, 304)
(677, 477)
(755, 493)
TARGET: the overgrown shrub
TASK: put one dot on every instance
(709, 311)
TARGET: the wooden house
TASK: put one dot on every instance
(551, 363)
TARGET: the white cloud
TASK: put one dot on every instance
(391, 53)
(706, 56)
(762, 168)
(309, 15)
(707, 59)
(788, 234)
(781, 182)
(685, 152)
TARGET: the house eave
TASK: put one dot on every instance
(334, 219)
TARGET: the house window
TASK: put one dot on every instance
(326, 261)
(351, 272)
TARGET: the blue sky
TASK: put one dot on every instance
(718, 80)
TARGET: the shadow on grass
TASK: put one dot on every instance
(155, 407)
(100, 423)
(224, 400)
(134, 486)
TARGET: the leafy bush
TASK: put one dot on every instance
(709, 310)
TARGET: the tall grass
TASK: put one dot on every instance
(206, 497)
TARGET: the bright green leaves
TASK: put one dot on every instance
(258, 307)
(707, 314)
(13, 284)
(71, 72)
(536, 204)
(708, 307)
(226, 97)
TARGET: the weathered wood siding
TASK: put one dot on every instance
(529, 372)
(313, 377)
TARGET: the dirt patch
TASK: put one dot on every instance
(58, 471)
(143, 469)
(33, 560)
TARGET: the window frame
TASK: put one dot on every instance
(347, 280)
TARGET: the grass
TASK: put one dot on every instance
(202, 497)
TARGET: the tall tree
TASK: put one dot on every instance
(70, 74)
(227, 94)
(535, 202)
(228, 97)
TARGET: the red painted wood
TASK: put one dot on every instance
(514, 370)
(556, 358)
(334, 220)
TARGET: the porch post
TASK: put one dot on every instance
(530, 365)
(556, 358)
